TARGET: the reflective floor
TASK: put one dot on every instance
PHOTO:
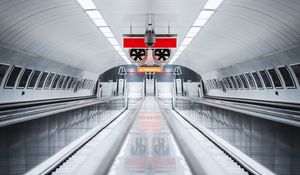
(149, 147)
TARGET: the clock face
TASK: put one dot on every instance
(138, 55)
(161, 55)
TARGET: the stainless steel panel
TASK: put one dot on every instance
(274, 145)
(25, 145)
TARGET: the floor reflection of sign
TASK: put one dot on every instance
(179, 86)
(138, 146)
(161, 146)
(138, 154)
(162, 159)
(121, 86)
(150, 122)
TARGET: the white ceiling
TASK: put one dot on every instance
(59, 29)
(242, 30)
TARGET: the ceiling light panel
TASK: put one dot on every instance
(191, 35)
(100, 22)
(105, 29)
(94, 14)
(186, 41)
(205, 14)
(200, 22)
(91, 10)
(181, 48)
(87, 4)
(122, 53)
(109, 35)
(178, 53)
(118, 48)
(213, 4)
(194, 29)
(113, 41)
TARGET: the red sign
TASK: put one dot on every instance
(139, 42)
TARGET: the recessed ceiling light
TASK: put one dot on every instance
(105, 29)
(109, 35)
(213, 4)
(181, 48)
(178, 53)
(191, 35)
(200, 22)
(122, 53)
(118, 48)
(205, 14)
(194, 29)
(186, 41)
(100, 22)
(94, 14)
(87, 4)
(113, 41)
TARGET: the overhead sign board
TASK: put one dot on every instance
(150, 69)
(139, 42)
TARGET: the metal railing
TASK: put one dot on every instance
(91, 120)
(205, 118)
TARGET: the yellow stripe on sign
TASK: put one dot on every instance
(150, 69)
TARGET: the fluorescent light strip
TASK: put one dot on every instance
(191, 35)
(105, 29)
(178, 53)
(122, 53)
(118, 48)
(194, 29)
(205, 14)
(91, 10)
(113, 41)
(213, 4)
(87, 4)
(193, 32)
(109, 35)
(181, 48)
(94, 14)
(186, 41)
(200, 22)
(99, 22)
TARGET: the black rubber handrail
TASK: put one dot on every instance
(275, 104)
(25, 104)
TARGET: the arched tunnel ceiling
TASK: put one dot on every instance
(57, 30)
(242, 30)
(60, 30)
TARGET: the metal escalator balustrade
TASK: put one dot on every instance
(259, 141)
(94, 156)
(37, 139)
